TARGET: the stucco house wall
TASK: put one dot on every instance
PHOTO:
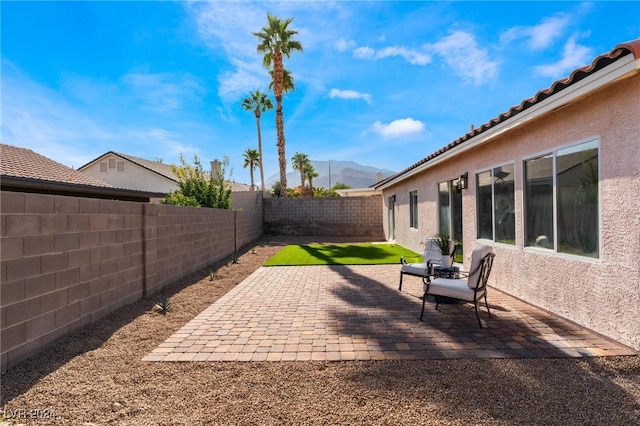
(602, 294)
(132, 177)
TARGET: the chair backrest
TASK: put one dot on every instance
(431, 251)
(481, 263)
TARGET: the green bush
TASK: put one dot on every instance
(197, 189)
(177, 198)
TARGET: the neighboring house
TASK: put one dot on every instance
(553, 185)
(24, 170)
(127, 171)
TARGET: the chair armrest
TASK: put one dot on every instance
(464, 274)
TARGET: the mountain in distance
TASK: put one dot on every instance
(348, 172)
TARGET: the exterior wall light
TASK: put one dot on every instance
(463, 182)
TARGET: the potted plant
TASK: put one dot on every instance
(443, 242)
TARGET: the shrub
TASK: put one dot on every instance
(198, 191)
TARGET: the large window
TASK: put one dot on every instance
(561, 200)
(413, 209)
(450, 209)
(450, 214)
(496, 204)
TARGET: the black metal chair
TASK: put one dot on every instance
(432, 257)
(471, 289)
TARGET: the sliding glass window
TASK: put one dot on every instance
(495, 204)
(561, 200)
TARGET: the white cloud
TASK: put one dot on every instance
(414, 57)
(364, 52)
(227, 28)
(462, 53)
(343, 44)
(349, 94)
(55, 125)
(574, 56)
(233, 85)
(539, 36)
(164, 92)
(398, 128)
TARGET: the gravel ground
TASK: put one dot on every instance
(96, 377)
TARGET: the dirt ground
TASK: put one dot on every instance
(96, 377)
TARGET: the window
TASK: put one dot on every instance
(450, 209)
(561, 200)
(112, 163)
(495, 204)
(103, 167)
(120, 166)
(413, 209)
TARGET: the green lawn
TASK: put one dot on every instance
(340, 254)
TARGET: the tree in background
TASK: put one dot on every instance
(322, 192)
(299, 162)
(310, 173)
(276, 41)
(251, 160)
(340, 185)
(258, 102)
(196, 190)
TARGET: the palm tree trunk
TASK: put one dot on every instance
(282, 158)
(278, 76)
(260, 150)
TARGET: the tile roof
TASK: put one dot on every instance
(629, 48)
(24, 163)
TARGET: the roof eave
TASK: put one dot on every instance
(622, 68)
(12, 183)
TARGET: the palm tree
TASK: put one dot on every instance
(288, 84)
(251, 160)
(258, 103)
(310, 173)
(275, 41)
(300, 162)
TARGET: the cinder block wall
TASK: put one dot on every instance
(326, 216)
(68, 261)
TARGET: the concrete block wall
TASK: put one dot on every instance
(69, 261)
(187, 240)
(324, 216)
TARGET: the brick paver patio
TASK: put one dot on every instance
(300, 313)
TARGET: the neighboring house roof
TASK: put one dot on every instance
(156, 167)
(22, 169)
(165, 170)
(619, 52)
(24, 163)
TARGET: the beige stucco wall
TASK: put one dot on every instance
(601, 294)
(134, 177)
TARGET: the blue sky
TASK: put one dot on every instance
(381, 83)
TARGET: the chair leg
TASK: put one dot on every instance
(487, 304)
(400, 288)
(424, 298)
(475, 304)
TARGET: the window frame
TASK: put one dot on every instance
(490, 169)
(554, 153)
(413, 209)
